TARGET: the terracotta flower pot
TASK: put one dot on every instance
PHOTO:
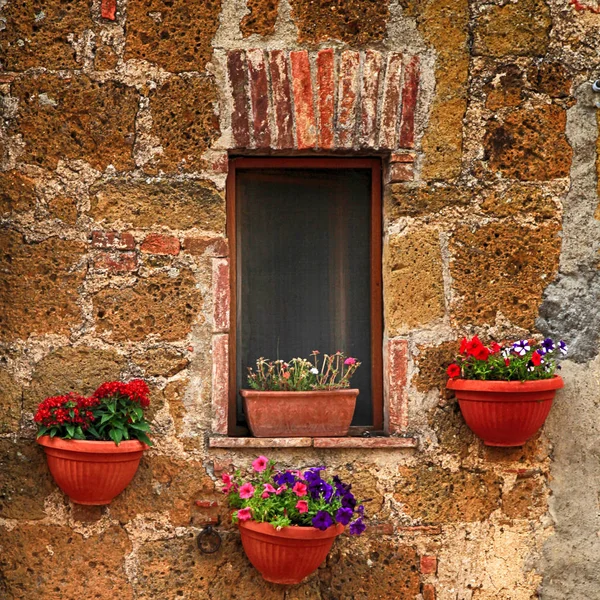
(289, 555)
(91, 472)
(325, 413)
(505, 413)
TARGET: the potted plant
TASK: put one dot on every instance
(94, 445)
(288, 519)
(505, 391)
(301, 398)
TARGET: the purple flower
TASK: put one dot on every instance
(349, 501)
(521, 347)
(547, 345)
(281, 478)
(344, 515)
(357, 527)
(361, 510)
(562, 347)
(322, 520)
(320, 488)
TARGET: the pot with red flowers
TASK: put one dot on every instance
(94, 444)
(505, 390)
(301, 397)
(289, 519)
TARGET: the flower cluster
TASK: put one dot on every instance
(523, 360)
(331, 372)
(115, 411)
(292, 497)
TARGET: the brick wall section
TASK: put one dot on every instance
(395, 370)
(351, 104)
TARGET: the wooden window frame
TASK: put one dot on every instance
(374, 164)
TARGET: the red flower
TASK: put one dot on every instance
(463, 345)
(507, 361)
(495, 347)
(481, 353)
(473, 346)
(453, 371)
(136, 390)
(536, 359)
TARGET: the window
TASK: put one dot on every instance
(305, 239)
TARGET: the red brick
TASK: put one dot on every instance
(397, 398)
(220, 382)
(108, 9)
(428, 565)
(206, 504)
(410, 92)
(347, 96)
(220, 466)
(116, 262)
(210, 246)
(282, 99)
(369, 97)
(220, 285)
(112, 240)
(259, 96)
(391, 101)
(220, 164)
(325, 97)
(155, 243)
(236, 67)
(428, 592)
(399, 172)
(304, 110)
(401, 157)
(380, 529)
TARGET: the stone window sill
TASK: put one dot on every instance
(307, 442)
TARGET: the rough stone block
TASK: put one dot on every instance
(529, 144)
(184, 121)
(453, 434)
(10, 403)
(37, 35)
(551, 78)
(158, 305)
(528, 499)
(25, 481)
(38, 288)
(432, 362)
(413, 283)
(410, 201)
(435, 495)
(75, 118)
(155, 243)
(63, 208)
(176, 35)
(261, 19)
(106, 59)
(503, 267)
(17, 193)
(175, 204)
(506, 87)
(209, 246)
(161, 362)
(521, 28)
(356, 23)
(520, 199)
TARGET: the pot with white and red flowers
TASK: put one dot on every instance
(94, 445)
(505, 391)
(289, 519)
(301, 398)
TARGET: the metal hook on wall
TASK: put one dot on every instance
(596, 85)
(209, 540)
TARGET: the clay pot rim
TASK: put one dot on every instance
(298, 532)
(537, 385)
(308, 394)
(92, 446)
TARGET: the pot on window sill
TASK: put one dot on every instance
(322, 413)
(505, 413)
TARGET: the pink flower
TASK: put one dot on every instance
(281, 489)
(350, 361)
(244, 514)
(300, 489)
(260, 464)
(264, 495)
(246, 491)
(302, 506)
(226, 477)
(269, 489)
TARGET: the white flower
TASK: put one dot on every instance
(314, 371)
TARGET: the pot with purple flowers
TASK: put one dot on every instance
(289, 519)
(505, 391)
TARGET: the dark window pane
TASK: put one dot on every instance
(303, 240)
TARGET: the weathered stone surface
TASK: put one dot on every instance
(550, 78)
(521, 28)
(75, 118)
(163, 484)
(433, 494)
(404, 201)
(528, 499)
(161, 362)
(503, 267)
(185, 121)
(413, 284)
(10, 403)
(37, 34)
(174, 393)
(176, 35)
(25, 481)
(38, 287)
(78, 369)
(453, 434)
(529, 144)
(176, 204)
(520, 199)
(52, 562)
(355, 22)
(17, 193)
(159, 305)
(63, 208)
(106, 59)
(505, 88)
(432, 363)
(261, 18)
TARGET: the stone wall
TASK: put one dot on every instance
(117, 120)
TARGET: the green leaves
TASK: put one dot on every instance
(120, 419)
